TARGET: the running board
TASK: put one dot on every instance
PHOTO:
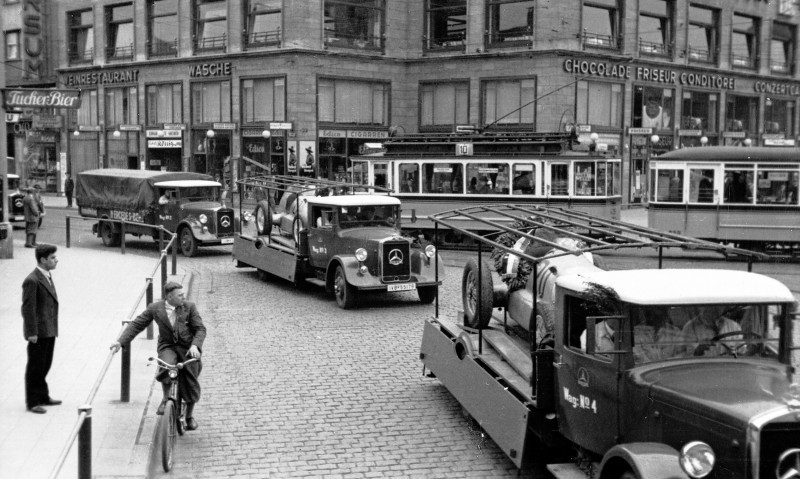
(315, 281)
(567, 471)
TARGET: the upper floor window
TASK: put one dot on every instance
(700, 111)
(87, 113)
(81, 36)
(354, 24)
(601, 23)
(509, 102)
(446, 24)
(509, 22)
(744, 41)
(12, 45)
(122, 106)
(655, 27)
(444, 104)
(781, 53)
(263, 99)
(210, 27)
(164, 103)
(211, 101)
(119, 32)
(349, 101)
(653, 107)
(263, 23)
(599, 103)
(703, 34)
(162, 27)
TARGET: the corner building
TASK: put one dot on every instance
(243, 87)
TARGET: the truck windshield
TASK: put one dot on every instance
(199, 193)
(672, 332)
(367, 215)
(13, 184)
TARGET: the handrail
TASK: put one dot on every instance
(83, 426)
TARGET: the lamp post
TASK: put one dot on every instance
(210, 133)
(703, 140)
(593, 146)
(747, 142)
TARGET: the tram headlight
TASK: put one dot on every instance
(203, 218)
(361, 254)
(697, 459)
(430, 250)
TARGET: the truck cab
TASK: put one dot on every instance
(16, 211)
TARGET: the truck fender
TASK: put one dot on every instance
(350, 266)
(647, 460)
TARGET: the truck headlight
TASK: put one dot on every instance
(203, 218)
(361, 254)
(697, 459)
(430, 250)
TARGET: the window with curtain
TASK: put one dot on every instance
(211, 101)
(263, 25)
(781, 54)
(121, 106)
(599, 103)
(601, 21)
(12, 45)
(119, 32)
(162, 27)
(87, 113)
(703, 34)
(444, 104)
(263, 99)
(779, 117)
(164, 103)
(81, 36)
(509, 22)
(741, 113)
(210, 24)
(446, 24)
(509, 102)
(354, 23)
(655, 26)
(744, 41)
(351, 101)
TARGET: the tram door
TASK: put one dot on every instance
(640, 152)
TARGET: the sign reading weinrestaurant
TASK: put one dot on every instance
(32, 98)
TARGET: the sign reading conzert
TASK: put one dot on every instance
(30, 98)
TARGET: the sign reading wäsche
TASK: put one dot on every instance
(31, 98)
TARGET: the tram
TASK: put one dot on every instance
(439, 172)
(747, 196)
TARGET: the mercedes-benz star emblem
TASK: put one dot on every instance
(789, 464)
(225, 221)
(395, 257)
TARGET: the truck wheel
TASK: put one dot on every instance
(188, 242)
(108, 235)
(426, 294)
(344, 293)
(474, 317)
(263, 217)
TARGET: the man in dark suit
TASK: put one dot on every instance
(180, 336)
(30, 208)
(40, 328)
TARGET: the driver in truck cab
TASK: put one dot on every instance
(604, 335)
(710, 323)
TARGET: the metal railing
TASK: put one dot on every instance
(82, 431)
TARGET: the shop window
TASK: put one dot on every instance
(509, 22)
(12, 45)
(668, 187)
(263, 23)
(599, 104)
(87, 113)
(446, 24)
(355, 102)
(655, 27)
(444, 104)
(653, 107)
(781, 53)
(700, 111)
(210, 25)
(121, 106)
(776, 187)
(601, 23)
(779, 117)
(409, 177)
(738, 186)
(509, 102)
(263, 99)
(162, 27)
(119, 32)
(701, 185)
(164, 103)
(741, 114)
(354, 24)
(80, 48)
(524, 179)
(703, 42)
(744, 42)
(211, 101)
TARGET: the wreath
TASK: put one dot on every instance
(519, 278)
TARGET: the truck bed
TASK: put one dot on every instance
(275, 255)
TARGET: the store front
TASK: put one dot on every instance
(212, 152)
(164, 148)
(336, 146)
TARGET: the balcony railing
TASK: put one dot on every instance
(160, 48)
(743, 61)
(655, 48)
(211, 43)
(596, 40)
(780, 67)
(120, 53)
(345, 40)
(700, 55)
(80, 56)
(517, 37)
(261, 39)
(454, 42)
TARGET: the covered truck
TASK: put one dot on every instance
(189, 204)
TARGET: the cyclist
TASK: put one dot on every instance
(180, 336)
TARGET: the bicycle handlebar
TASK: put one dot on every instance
(167, 365)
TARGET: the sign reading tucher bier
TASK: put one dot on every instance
(31, 98)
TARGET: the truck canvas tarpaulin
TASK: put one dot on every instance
(129, 190)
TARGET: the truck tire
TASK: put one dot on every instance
(108, 234)
(345, 294)
(263, 217)
(426, 294)
(188, 242)
(471, 293)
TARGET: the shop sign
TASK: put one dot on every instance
(21, 127)
(89, 128)
(252, 132)
(33, 45)
(164, 143)
(779, 142)
(690, 132)
(33, 136)
(776, 88)
(626, 71)
(224, 126)
(31, 98)
(163, 133)
(102, 78)
(734, 134)
(44, 122)
(332, 134)
(12, 117)
(255, 147)
(221, 69)
(281, 125)
(368, 134)
(174, 126)
(130, 127)
(640, 131)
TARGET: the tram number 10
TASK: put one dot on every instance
(463, 149)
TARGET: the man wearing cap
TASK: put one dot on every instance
(30, 208)
(180, 336)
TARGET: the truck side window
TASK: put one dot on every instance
(323, 218)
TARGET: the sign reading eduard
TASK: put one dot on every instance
(30, 98)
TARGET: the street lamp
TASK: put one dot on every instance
(266, 134)
(748, 142)
(116, 134)
(594, 137)
(210, 133)
(703, 140)
(76, 133)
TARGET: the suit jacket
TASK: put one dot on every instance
(189, 329)
(39, 306)
(30, 208)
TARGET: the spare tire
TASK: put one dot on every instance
(476, 293)
(263, 217)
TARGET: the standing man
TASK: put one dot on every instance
(180, 336)
(40, 328)
(30, 207)
(37, 193)
(69, 186)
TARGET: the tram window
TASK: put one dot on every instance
(669, 185)
(442, 178)
(738, 186)
(524, 182)
(381, 175)
(487, 178)
(775, 187)
(585, 178)
(409, 177)
(360, 171)
(616, 178)
(701, 186)
(559, 179)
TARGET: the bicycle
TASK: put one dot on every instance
(172, 422)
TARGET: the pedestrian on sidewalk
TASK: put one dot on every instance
(180, 336)
(69, 186)
(30, 208)
(40, 328)
(37, 193)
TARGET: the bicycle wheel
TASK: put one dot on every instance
(168, 434)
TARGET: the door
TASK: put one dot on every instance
(168, 209)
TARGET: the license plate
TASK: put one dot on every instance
(18, 218)
(227, 240)
(402, 287)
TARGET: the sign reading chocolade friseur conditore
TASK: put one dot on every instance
(32, 98)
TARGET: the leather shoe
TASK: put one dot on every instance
(29, 246)
(191, 424)
(160, 410)
(37, 410)
(52, 402)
